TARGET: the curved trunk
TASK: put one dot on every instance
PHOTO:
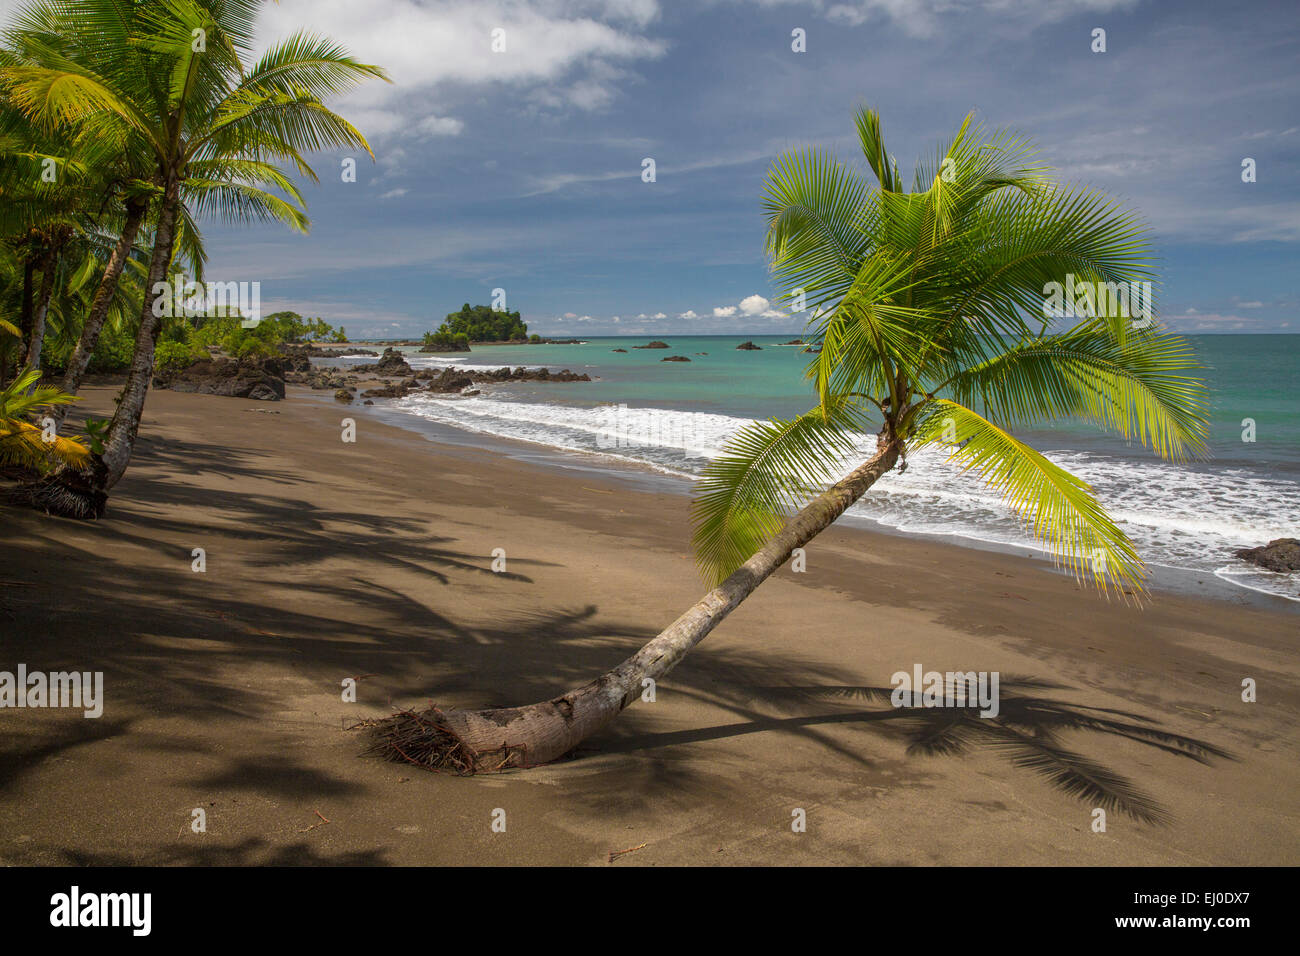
(25, 310)
(130, 406)
(49, 266)
(539, 733)
(84, 494)
(99, 306)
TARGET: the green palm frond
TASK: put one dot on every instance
(23, 444)
(745, 494)
(1140, 388)
(1059, 508)
(816, 209)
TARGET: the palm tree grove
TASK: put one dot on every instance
(984, 466)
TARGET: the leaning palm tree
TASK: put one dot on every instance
(930, 308)
(215, 131)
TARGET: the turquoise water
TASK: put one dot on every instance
(673, 416)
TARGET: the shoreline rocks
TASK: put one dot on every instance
(261, 379)
(1281, 555)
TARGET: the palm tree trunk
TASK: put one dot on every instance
(49, 267)
(99, 306)
(130, 407)
(539, 733)
(25, 309)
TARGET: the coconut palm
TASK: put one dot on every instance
(97, 37)
(215, 132)
(930, 308)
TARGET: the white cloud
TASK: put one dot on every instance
(724, 311)
(439, 126)
(563, 50)
(659, 315)
(688, 314)
(754, 305)
(394, 193)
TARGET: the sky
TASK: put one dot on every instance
(522, 170)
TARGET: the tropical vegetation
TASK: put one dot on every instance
(123, 125)
(929, 304)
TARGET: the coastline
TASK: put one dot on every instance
(372, 560)
(629, 472)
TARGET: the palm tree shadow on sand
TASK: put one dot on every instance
(1026, 731)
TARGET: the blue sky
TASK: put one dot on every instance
(521, 170)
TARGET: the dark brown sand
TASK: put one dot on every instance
(372, 560)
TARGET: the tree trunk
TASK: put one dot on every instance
(49, 268)
(99, 306)
(130, 407)
(84, 494)
(539, 733)
(25, 310)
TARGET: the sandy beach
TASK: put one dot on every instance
(372, 560)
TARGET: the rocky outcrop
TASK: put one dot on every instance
(344, 396)
(653, 345)
(257, 378)
(749, 347)
(388, 391)
(1281, 555)
(355, 353)
(321, 378)
(452, 346)
(390, 363)
(674, 358)
(619, 350)
(452, 380)
(794, 342)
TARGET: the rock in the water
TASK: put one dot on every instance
(343, 395)
(256, 378)
(387, 391)
(674, 358)
(749, 347)
(1281, 555)
(390, 363)
(457, 380)
(653, 345)
(794, 342)
(618, 350)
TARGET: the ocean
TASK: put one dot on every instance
(673, 416)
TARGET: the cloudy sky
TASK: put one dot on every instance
(522, 169)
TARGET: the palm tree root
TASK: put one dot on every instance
(67, 493)
(423, 739)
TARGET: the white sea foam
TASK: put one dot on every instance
(1189, 517)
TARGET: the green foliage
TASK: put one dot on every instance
(96, 432)
(292, 327)
(23, 444)
(931, 303)
(534, 338)
(113, 351)
(479, 323)
(173, 355)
